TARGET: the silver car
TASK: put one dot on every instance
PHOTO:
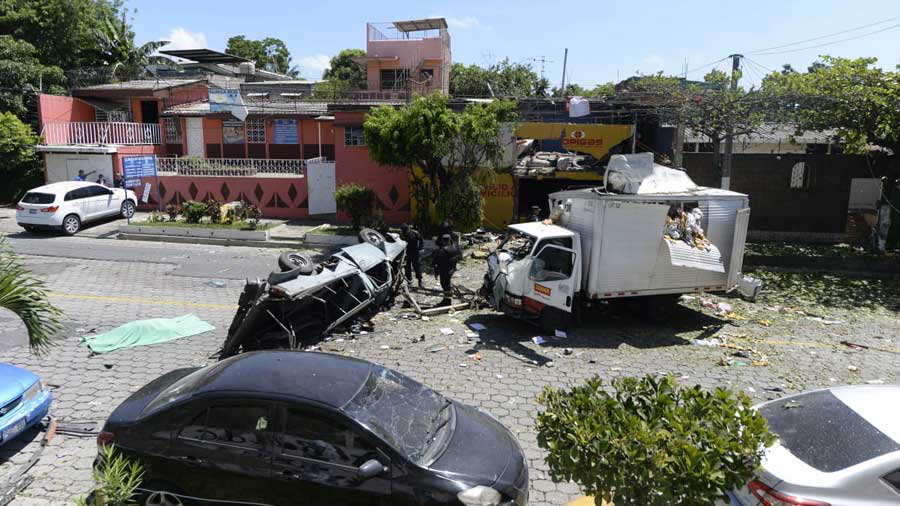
(838, 446)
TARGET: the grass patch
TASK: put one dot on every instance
(339, 230)
(182, 224)
(811, 250)
(828, 290)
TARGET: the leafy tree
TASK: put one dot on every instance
(119, 52)
(575, 90)
(358, 202)
(21, 72)
(344, 69)
(269, 53)
(20, 167)
(504, 78)
(650, 442)
(63, 32)
(448, 147)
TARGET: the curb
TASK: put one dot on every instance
(204, 233)
(210, 241)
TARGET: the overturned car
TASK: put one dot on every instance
(307, 299)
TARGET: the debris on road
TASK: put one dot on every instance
(852, 368)
(446, 331)
(477, 326)
(538, 340)
(216, 283)
(709, 342)
(561, 333)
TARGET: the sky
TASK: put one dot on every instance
(608, 40)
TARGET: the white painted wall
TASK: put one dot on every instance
(64, 166)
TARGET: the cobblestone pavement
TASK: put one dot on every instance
(500, 371)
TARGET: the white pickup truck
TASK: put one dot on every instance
(611, 242)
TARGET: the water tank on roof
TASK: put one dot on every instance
(247, 68)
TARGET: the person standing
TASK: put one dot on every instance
(413, 261)
(444, 264)
(446, 228)
(101, 180)
(82, 176)
(535, 213)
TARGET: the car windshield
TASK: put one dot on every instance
(38, 198)
(517, 244)
(407, 415)
(185, 386)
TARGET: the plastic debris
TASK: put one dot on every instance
(852, 368)
(446, 331)
(875, 382)
(710, 342)
(477, 326)
(418, 339)
(731, 361)
(472, 335)
(854, 346)
(476, 356)
(567, 351)
(437, 349)
(764, 323)
(538, 340)
(561, 333)
(723, 308)
(751, 390)
(464, 365)
(498, 376)
(688, 298)
(216, 283)
(824, 321)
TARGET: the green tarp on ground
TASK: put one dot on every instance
(144, 332)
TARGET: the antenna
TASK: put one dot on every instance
(543, 60)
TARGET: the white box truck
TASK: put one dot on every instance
(611, 242)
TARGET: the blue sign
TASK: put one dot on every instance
(136, 167)
(285, 131)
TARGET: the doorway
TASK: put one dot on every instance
(149, 111)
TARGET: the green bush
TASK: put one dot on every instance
(462, 202)
(173, 211)
(358, 202)
(651, 442)
(116, 478)
(252, 214)
(213, 210)
(20, 165)
(193, 211)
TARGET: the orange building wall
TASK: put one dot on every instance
(53, 108)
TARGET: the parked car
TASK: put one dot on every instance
(23, 401)
(293, 427)
(68, 205)
(838, 446)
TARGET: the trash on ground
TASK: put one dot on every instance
(216, 283)
(418, 339)
(561, 333)
(854, 346)
(852, 368)
(145, 332)
(567, 351)
(498, 376)
(472, 335)
(687, 298)
(446, 331)
(710, 342)
(477, 326)
(731, 361)
(464, 365)
(437, 349)
(538, 340)
(385, 347)
(723, 308)
(824, 321)
(875, 382)
(792, 405)
(764, 323)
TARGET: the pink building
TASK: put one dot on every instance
(404, 56)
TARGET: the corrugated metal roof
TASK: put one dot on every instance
(263, 106)
(416, 25)
(141, 84)
(204, 56)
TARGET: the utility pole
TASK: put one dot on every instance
(563, 86)
(729, 133)
(678, 140)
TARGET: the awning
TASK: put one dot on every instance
(683, 255)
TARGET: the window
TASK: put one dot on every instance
(426, 75)
(394, 79)
(232, 425)
(311, 436)
(354, 136)
(173, 130)
(801, 176)
(256, 130)
(894, 479)
(195, 428)
(552, 264)
(79, 193)
(38, 198)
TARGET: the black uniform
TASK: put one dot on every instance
(413, 244)
(444, 264)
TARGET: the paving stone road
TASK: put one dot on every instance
(98, 295)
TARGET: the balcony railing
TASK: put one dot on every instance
(56, 134)
(232, 167)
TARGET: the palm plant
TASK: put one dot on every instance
(26, 296)
(120, 53)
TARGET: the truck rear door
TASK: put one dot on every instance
(736, 263)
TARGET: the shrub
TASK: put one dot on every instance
(20, 165)
(173, 211)
(358, 202)
(463, 203)
(116, 478)
(213, 210)
(651, 442)
(193, 211)
(252, 215)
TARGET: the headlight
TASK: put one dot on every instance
(479, 496)
(33, 391)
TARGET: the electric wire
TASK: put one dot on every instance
(824, 36)
(828, 43)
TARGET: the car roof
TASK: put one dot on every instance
(61, 186)
(321, 377)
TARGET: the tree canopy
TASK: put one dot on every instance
(575, 90)
(121, 55)
(268, 53)
(21, 70)
(344, 69)
(504, 78)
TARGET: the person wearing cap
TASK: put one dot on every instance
(444, 264)
(82, 176)
(413, 244)
(535, 213)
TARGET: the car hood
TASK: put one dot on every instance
(129, 411)
(481, 452)
(14, 381)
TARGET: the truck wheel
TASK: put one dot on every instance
(659, 308)
(553, 319)
(291, 260)
(372, 236)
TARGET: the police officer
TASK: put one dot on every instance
(535, 213)
(444, 264)
(413, 244)
(446, 228)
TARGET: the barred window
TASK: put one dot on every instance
(801, 176)
(354, 136)
(173, 130)
(256, 130)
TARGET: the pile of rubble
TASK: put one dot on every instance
(685, 226)
(547, 162)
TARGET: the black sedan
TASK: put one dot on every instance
(289, 428)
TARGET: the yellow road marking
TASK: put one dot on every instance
(139, 300)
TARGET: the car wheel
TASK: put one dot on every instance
(372, 236)
(71, 224)
(291, 260)
(128, 209)
(161, 494)
(28, 228)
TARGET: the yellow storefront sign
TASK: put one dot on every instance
(595, 140)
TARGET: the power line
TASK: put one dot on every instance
(759, 64)
(829, 43)
(704, 66)
(824, 36)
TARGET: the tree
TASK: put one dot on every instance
(502, 79)
(119, 53)
(22, 73)
(63, 32)
(650, 442)
(575, 90)
(20, 166)
(269, 53)
(449, 148)
(344, 69)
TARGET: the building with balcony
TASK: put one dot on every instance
(408, 56)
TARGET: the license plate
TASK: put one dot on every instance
(14, 430)
(32, 211)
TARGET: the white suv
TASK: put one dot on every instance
(68, 204)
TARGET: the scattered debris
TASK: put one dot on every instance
(854, 345)
(567, 351)
(216, 283)
(108, 366)
(498, 376)
(764, 323)
(385, 347)
(731, 361)
(477, 326)
(710, 342)
(751, 390)
(538, 340)
(464, 365)
(561, 333)
(824, 321)
(875, 382)
(437, 349)
(792, 405)
(446, 331)
(723, 308)
(852, 368)
(472, 335)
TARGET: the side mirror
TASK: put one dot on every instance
(370, 469)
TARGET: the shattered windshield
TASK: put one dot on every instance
(411, 417)
(519, 245)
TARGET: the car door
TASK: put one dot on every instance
(99, 201)
(222, 453)
(77, 201)
(550, 280)
(316, 459)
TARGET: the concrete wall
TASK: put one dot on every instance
(65, 166)
(56, 109)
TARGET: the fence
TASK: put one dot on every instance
(101, 133)
(188, 166)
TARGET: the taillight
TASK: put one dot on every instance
(19, 208)
(768, 496)
(105, 438)
(51, 209)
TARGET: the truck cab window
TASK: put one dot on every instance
(552, 264)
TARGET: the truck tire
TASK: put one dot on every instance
(291, 260)
(659, 308)
(373, 237)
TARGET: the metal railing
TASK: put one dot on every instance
(96, 132)
(232, 167)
